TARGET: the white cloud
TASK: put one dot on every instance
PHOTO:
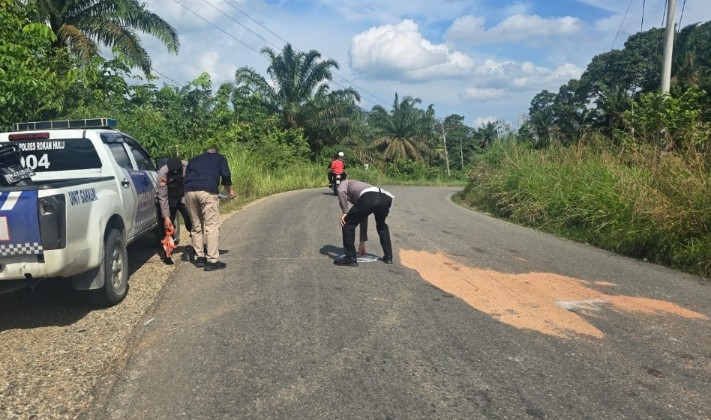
(513, 76)
(400, 51)
(535, 77)
(471, 30)
(492, 69)
(482, 94)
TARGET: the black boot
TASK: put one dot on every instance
(346, 261)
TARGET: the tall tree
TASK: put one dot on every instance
(82, 26)
(542, 117)
(692, 63)
(299, 91)
(458, 136)
(569, 113)
(487, 134)
(610, 104)
(404, 132)
(30, 89)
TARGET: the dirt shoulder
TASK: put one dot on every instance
(56, 348)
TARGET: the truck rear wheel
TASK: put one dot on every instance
(114, 270)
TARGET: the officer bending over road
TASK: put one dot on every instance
(366, 200)
(204, 174)
(171, 196)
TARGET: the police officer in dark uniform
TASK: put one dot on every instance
(170, 194)
(366, 200)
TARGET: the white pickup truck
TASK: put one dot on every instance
(73, 194)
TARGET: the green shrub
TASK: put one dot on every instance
(631, 200)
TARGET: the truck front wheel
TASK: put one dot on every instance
(114, 270)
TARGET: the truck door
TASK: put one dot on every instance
(128, 183)
(145, 171)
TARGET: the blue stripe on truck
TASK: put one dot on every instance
(19, 224)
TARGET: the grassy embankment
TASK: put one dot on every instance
(253, 178)
(631, 200)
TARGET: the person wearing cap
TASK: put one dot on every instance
(337, 166)
(366, 199)
(171, 197)
(203, 176)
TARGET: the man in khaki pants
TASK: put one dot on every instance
(203, 177)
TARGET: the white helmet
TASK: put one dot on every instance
(340, 154)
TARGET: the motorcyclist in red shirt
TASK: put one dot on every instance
(337, 166)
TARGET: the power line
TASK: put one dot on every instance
(664, 14)
(683, 6)
(270, 43)
(621, 23)
(255, 33)
(217, 27)
(287, 42)
(255, 21)
(237, 22)
(164, 76)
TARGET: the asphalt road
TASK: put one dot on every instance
(477, 318)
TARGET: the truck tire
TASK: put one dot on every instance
(114, 270)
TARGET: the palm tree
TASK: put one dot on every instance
(611, 104)
(330, 119)
(404, 132)
(299, 92)
(488, 134)
(82, 26)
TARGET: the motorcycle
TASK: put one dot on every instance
(337, 178)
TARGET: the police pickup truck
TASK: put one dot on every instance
(73, 194)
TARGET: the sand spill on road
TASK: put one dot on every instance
(544, 302)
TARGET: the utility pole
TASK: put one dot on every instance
(668, 47)
(446, 154)
(461, 151)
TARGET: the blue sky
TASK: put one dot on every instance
(483, 59)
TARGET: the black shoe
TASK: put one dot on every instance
(346, 262)
(214, 266)
(200, 262)
(189, 253)
(388, 259)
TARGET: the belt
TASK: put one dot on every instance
(377, 190)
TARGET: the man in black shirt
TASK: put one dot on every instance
(203, 177)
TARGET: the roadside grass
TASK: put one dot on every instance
(253, 179)
(632, 200)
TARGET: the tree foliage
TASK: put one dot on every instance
(404, 132)
(29, 85)
(669, 123)
(299, 93)
(82, 26)
(616, 96)
(459, 139)
(52, 70)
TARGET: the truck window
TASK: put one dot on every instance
(58, 155)
(143, 160)
(120, 155)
